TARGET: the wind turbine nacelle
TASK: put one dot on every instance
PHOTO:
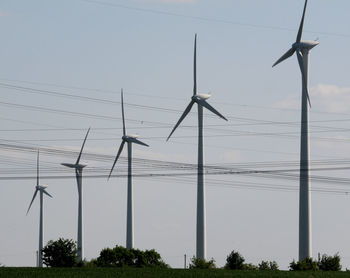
(204, 96)
(125, 137)
(305, 45)
(41, 186)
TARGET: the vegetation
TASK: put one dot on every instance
(120, 257)
(250, 267)
(265, 265)
(234, 261)
(329, 263)
(60, 253)
(304, 265)
(197, 263)
(134, 272)
(325, 263)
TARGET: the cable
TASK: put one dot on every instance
(162, 109)
(162, 96)
(209, 19)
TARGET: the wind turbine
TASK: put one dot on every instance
(42, 190)
(79, 176)
(129, 139)
(201, 100)
(302, 49)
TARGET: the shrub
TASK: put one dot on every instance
(306, 264)
(234, 261)
(329, 263)
(249, 267)
(60, 253)
(120, 256)
(202, 264)
(266, 265)
(91, 263)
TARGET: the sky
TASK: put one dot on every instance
(63, 64)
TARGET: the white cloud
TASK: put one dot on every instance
(331, 98)
(291, 102)
(324, 97)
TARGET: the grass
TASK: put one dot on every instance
(10, 272)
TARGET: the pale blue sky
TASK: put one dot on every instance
(64, 46)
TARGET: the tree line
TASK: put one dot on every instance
(63, 253)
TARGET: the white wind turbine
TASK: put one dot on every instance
(79, 176)
(302, 49)
(200, 99)
(42, 190)
(129, 139)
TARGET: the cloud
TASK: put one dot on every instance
(331, 98)
(291, 102)
(324, 97)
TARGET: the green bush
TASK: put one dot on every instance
(265, 265)
(325, 263)
(60, 253)
(202, 264)
(329, 263)
(234, 261)
(306, 264)
(120, 256)
(250, 267)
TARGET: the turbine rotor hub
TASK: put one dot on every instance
(305, 45)
(130, 136)
(81, 165)
(41, 187)
(198, 97)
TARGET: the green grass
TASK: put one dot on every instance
(10, 272)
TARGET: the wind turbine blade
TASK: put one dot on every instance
(195, 66)
(285, 56)
(124, 131)
(37, 169)
(45, 192)
(210, 108)
(184, 114)
(82, 147)
(36, 191)
(303, 73)
(70, 165)
(300, 32)
(116, 158)
(136, 141)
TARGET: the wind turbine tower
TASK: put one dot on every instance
(302, 49)
(201, 100)
(79, 176)
(42, 190)
(129, 139)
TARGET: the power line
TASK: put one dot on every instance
(115, 92)
(209, 19)
(153, 166)
(216, 183)
(147, 107)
